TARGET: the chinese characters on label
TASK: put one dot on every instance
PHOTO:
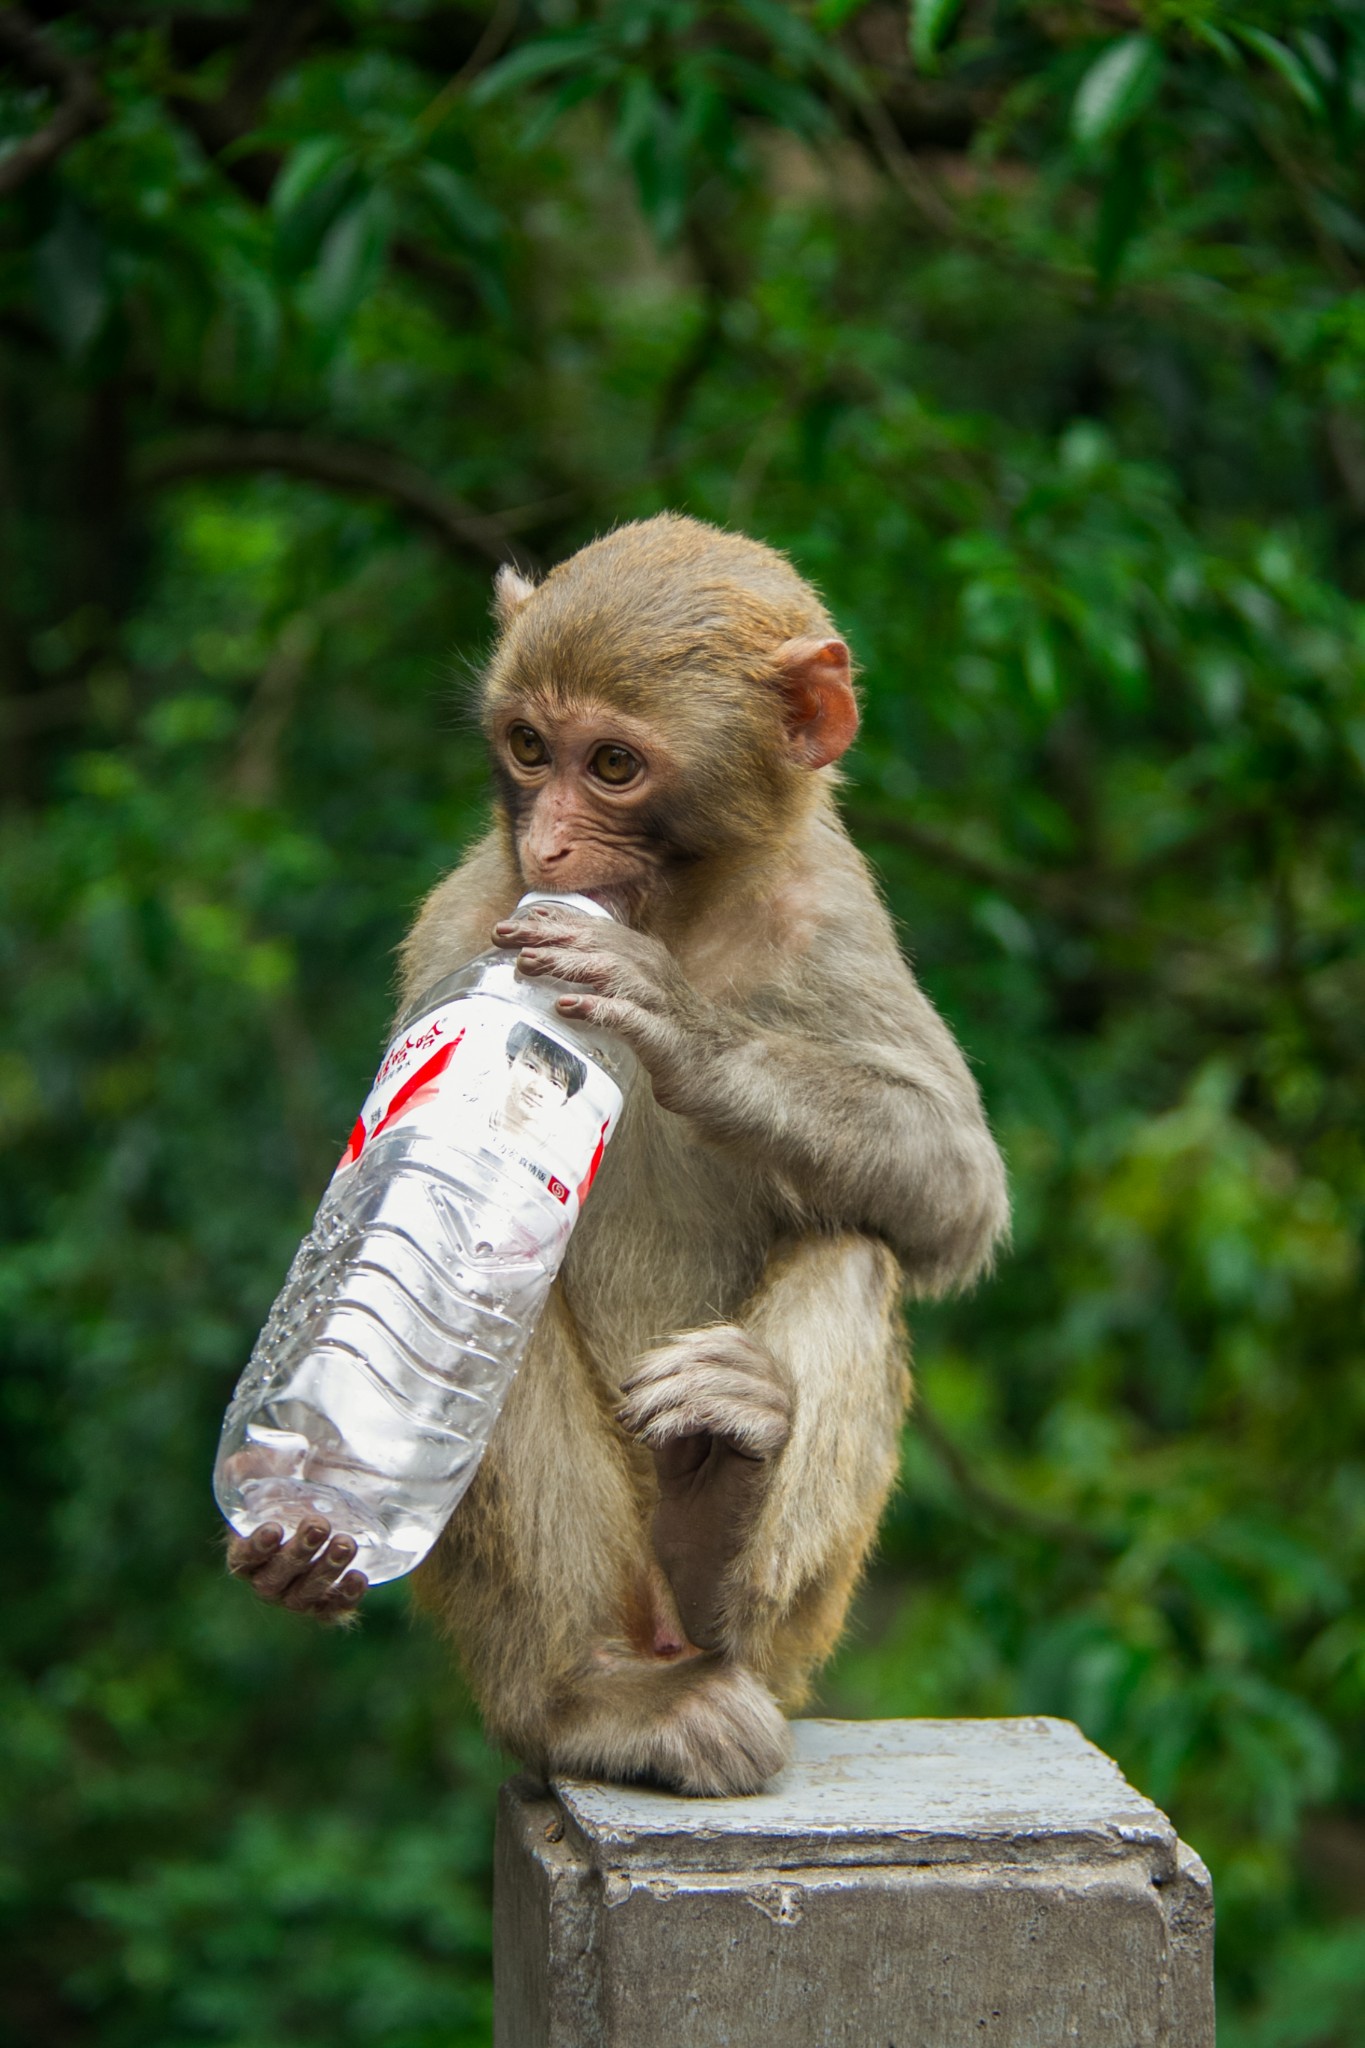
(483, 1076)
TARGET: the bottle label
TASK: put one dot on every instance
(485, 1077)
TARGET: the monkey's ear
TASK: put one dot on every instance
(510, 592)
(816, 680)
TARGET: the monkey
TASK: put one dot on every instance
(659, 1548)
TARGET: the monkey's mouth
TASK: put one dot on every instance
(619, 899)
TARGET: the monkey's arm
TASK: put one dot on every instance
(775, 1442)
(854, 1096)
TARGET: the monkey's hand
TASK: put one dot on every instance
(714, 1408)
(630, 984)
(307, 1574)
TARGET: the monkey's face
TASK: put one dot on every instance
(656, 708)
(587, 797)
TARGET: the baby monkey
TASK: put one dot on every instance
(661, 1543)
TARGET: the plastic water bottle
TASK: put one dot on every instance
(377, 1379)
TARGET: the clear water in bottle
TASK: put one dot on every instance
(374, 1386)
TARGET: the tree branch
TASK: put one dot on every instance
(344, 466)
(1099, 901)
(697, 357)
(41, 710)
(496, 33)
(82, 107)
(993, 1506)
(897, 142)
(278, 34)
(1077, 899)
(908, 175)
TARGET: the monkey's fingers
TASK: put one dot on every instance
(318, 1582)
(712, 1344)
(344, 1599)
(561, 924)
(717, 1345)
(273, 1567)
(742, 1429)
(559, 963)
(611, 958)
(549, 921)
(328, 1590)
(543, 929)
(246, 1554)
(753, 1421)
(657, 1041)
(602, 970)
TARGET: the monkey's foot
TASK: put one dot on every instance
(724, 1738)
(714, 1732)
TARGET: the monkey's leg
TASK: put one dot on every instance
(775, 1442)
(705, 1725)
(569, 1638)
(715, 1408)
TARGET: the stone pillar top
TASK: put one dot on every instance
(923, 1884)
(1025, 1792)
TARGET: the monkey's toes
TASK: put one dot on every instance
(723, 1738)
(700, 1398)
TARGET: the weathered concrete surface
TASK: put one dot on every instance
(903, 1884)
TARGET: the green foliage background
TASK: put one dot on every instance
(1035, 329)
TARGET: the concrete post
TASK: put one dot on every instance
(903, 1884)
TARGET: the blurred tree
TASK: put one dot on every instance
(1037, 333)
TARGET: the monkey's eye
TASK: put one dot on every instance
(615, 765)
(526, 746)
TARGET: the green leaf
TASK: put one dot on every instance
(598, 78)
(1290, 67)
(1207, 32)
(71, 272)
(305, 169)
(931, 24)
(1040, 666)
(787, 105)
(787, 31)
(458, 202)
(316, 185)
(1115, 89)
(1121, 203)
(534, 61)
(350, 264)
(832, 14)
(647, 136)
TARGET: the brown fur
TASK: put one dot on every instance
(826, 1147)
(657, 618)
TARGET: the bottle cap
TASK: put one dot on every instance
(586, 903)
